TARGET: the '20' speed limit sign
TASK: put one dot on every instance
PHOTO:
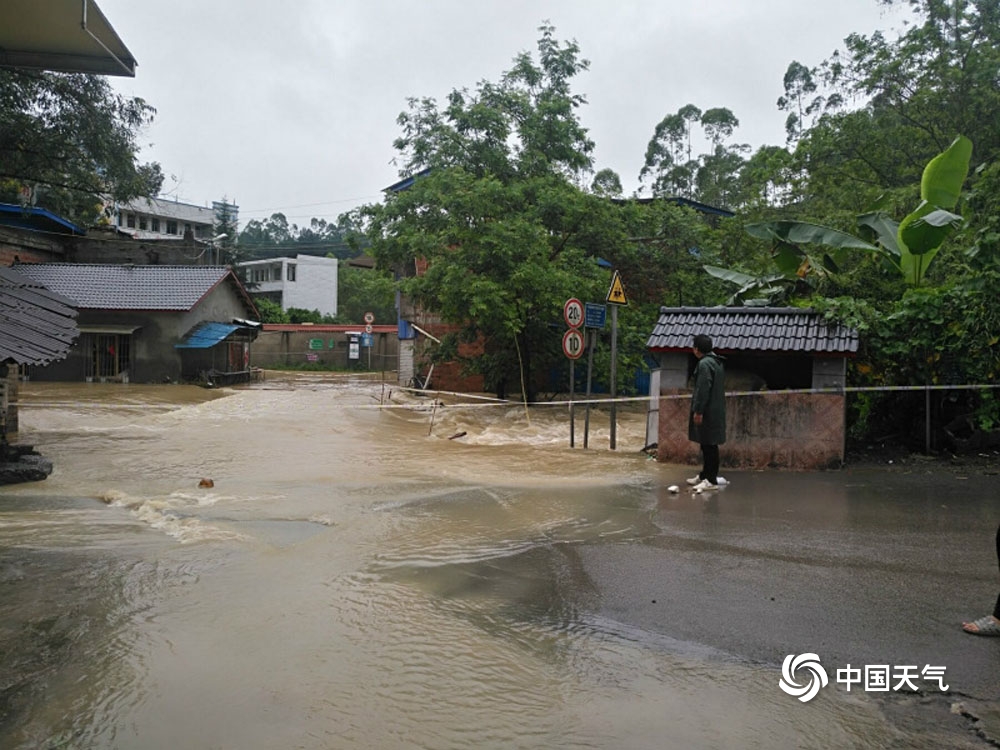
(573, 312)
(572, 343)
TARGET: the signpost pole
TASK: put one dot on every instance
(614, 368)
(616, 297)
(573, 343)
(572, 415)
(590, 372)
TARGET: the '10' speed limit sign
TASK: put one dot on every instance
(572, 343)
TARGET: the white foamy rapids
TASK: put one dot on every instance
(540, 425)
(167, 514)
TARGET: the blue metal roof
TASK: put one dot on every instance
(36, 219)
(207, 335)
(407, 182)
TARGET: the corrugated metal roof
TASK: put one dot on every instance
(753, 329)
(36, 219)
(118, 287)
(207, 335)
(37, 326)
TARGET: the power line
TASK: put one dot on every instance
(281, 209)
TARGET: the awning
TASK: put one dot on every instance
(120, 330)
(207, 335)
(66, 35)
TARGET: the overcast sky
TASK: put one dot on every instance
(291, 106)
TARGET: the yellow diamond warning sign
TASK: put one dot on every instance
(616, 295)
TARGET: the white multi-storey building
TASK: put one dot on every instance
(307, 282)
(162, 219)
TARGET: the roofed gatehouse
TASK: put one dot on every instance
(785, 375)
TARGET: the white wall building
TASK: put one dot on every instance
(162, 219)
(307, 282)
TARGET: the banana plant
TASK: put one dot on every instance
(769, 288)
(908, 246)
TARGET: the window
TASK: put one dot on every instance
(131, 221)
(108, 355)
(154, 224)
(142, 222)
(171, 226)
(291, 272)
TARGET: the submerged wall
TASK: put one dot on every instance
(764, 430)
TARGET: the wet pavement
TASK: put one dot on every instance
(860, 567)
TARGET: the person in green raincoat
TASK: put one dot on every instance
(707, 422)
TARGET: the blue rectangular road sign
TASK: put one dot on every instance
(594, 315)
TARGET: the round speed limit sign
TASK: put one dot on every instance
(572, 343)
(573, 312)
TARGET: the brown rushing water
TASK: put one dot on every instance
(354, 579)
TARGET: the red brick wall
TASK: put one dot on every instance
(764, 430)
(448, 375)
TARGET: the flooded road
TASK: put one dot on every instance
(356, 579)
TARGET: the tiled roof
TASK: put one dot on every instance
(751, 329)
(117, 287)
(37, 326)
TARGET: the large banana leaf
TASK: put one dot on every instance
(944, 175)
(883, 228)
(803, 232)
(766, 286)
(927, 227)
(922, 233)
(795, 262)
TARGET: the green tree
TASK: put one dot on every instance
(798, 99)
(275, 237)
(72, 143)
(226, 234)
(766, 179)
(271, 312)
(607, 184)
(363, 290)
(672, 170)
(301, 315)
(669, 164)
(499, 218)
(891, 105)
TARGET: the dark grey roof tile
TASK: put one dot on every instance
(122, 287)
(37, 326)
(777, 329)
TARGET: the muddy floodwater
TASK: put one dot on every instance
(360, 577)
